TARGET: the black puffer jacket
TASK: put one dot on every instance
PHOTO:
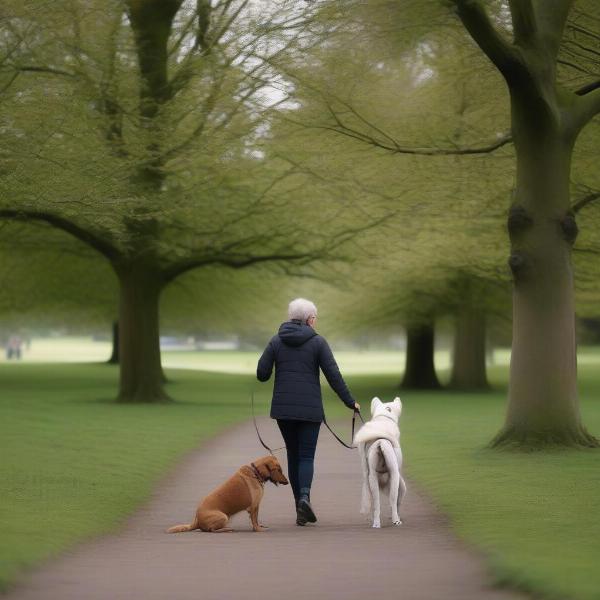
(298, 352)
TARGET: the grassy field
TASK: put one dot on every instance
(74, 464)
(87, 349)
(536, 516)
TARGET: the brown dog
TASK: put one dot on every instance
(242, 491)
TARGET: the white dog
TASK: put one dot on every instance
(378, 443)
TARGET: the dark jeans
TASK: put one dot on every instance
(301, 443)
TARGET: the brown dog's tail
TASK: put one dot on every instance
(181, 528)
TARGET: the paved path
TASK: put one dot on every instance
(340, 557)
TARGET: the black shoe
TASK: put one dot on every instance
(305, 511)
(300, 520)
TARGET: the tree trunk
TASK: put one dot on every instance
(543, 404)
(114, 357)
(468, 359)
(141, 377)
(545, 121)
(419, 373)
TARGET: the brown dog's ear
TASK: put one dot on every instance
(277, 475)
(262, 466)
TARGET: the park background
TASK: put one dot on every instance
(173, 173)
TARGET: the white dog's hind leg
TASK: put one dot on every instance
(391, 463)
(374, 485)
(365, 503)
(402, 487)
(401, 491)
(394, 483)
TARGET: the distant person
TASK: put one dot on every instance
(298, 352)
(13, 348)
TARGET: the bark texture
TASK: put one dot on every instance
(546, 119)
(141, 378)
(141, 279)
(468, 357)
(419, 372)
(543, 405)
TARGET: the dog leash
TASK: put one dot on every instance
(356, 412)
(258, 433)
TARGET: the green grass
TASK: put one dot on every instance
(535, 516)
(74, 464)
(71, 349)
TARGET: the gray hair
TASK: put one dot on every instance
(301, 309)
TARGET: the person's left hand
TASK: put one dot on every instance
(356, 406)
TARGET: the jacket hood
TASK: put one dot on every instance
(295, 333)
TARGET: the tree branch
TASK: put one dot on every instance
(583, 202)
(203, 10)
(551, 18)
(379, 138)
(586, 89)
(44, 69)
(151, 24)
(478, 24)
(232, 261)
(87, 237)
(387, 142)
(587, 106)
(239, 260)
(523, 19)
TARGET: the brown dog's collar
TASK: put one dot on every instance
(257, 474)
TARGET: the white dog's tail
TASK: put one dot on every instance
(389, 455)
(391, 462)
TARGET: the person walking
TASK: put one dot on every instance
(298, 352)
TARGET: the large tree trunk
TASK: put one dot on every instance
(419, 373)
(468, 358)
(114, 357)
(546, 119)
(543, 404)
(141, 372)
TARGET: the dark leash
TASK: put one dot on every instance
(271, 452)
(356, 412)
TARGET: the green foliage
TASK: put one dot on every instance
(189, 182)
(375, 105)
(395, 102)
(199, 182)
(283, 140)
(48, 279)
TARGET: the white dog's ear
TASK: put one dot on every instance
(374, 404)
(398, 403)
